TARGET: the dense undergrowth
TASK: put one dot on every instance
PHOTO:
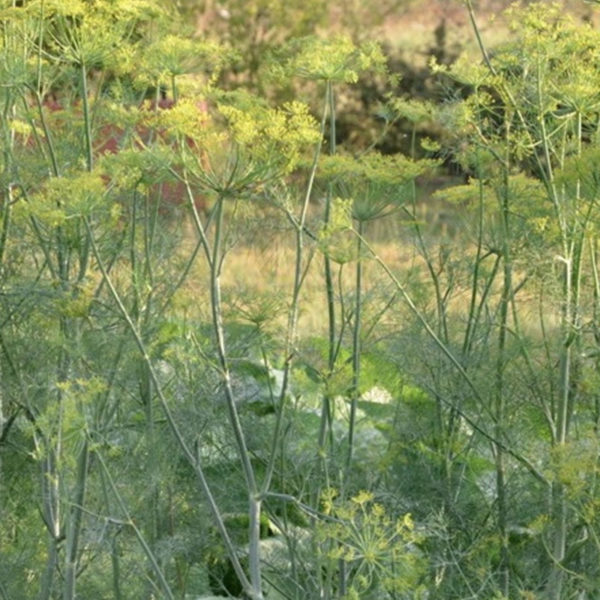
(216, 378)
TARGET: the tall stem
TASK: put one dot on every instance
(329, 286)
(254, 501)
(328, 273)
(217, 317)
(293, 315)
(87, 121)
(499, 392)
(74, 524)
(356, 344)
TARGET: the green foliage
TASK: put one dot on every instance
(171, 56)
(274, 137)
(336, 60)
(87, 35)
(245, 146)
(66, 198)
(156, 404)
(373, 182)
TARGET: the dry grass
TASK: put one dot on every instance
(263, 272)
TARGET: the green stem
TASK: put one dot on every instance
(116, 569)
(499, 393)
(254, 502)
(74, 524)
(225, 373)
(47, 582)
(87, 121)
(329, 286)
(356, 345)
(471, 317)
(574, 236)
(7, 201)
(328, 271)
(50, 511)
(299, 275)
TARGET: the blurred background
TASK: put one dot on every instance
(412, 33)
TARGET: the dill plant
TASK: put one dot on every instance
(114, 365)
(368, 188)
(331, 62)
(66, 205)
(379, 555)
(530, 115)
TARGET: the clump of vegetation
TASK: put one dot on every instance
(181, 416)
